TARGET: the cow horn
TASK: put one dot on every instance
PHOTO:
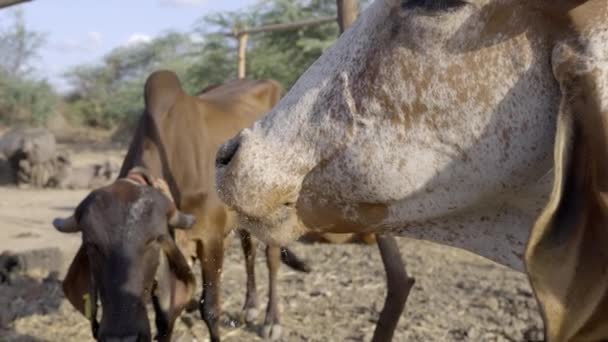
(180, 220)
(68, 225)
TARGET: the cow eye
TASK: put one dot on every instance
(432, 5)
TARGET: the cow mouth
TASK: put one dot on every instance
(278, 228)
(290, 204)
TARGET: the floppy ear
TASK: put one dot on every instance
(80, 290)
(174, 285)
(567, 253)
(77, 281)
(78, 285)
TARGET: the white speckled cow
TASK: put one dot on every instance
(480, 124)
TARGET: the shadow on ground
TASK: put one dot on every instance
(23, 296)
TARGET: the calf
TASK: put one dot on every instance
(128, 256)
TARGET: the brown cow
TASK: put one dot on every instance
(176, 141)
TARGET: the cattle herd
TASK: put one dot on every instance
(479, 124)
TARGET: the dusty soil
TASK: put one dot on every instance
(457, 296)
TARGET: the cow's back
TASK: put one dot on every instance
(237, 104)
(178, 135)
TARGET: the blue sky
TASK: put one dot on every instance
(81, 31)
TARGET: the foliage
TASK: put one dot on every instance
(19, 46)
(111, 91)
(23, 98)
(280, 55)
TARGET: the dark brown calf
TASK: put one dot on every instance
(125, 226)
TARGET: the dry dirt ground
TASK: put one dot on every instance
(457, 296)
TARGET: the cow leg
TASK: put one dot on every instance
(165, 309)
(211, 254)
(164, 319)
(272, 324)
(250, 309)
(398, 285)
(188, 248)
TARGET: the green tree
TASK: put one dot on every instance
(108, 93)
(281, 55)
(23, 97)
(18, 45)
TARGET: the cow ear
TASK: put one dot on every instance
(67, 225)
(567, 255)
(71, 224)
(77, 281)
(174, 284)
(179, 220)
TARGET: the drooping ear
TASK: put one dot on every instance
(175, 285)
(80, 290)
(77, 281)
(567, 252)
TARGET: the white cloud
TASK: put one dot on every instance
(183, 3)
(92, 41)
(95, 38)
(196, 38)
(138, 38)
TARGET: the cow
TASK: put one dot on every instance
(175, 143)
(480, 124)
(139, 210)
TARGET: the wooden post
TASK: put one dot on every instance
(347, 13)
(242, 37)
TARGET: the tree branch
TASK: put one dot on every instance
(7, 3)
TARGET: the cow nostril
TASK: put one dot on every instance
(226, 153)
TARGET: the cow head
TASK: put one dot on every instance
(428, 107)
(127, 257)
(406, 80)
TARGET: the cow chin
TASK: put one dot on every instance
(280, 228)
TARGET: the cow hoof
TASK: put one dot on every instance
(272, 332)
(251, 315)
